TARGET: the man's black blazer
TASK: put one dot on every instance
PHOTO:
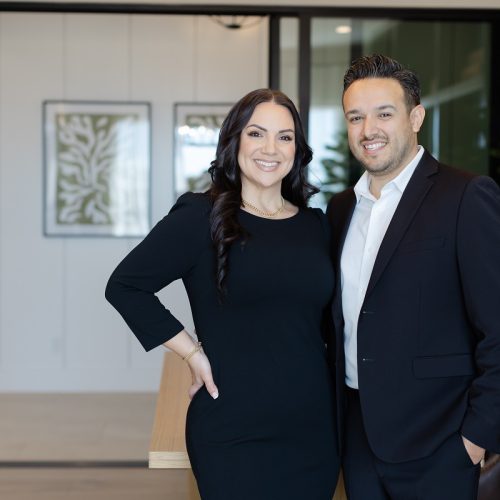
(429, 327)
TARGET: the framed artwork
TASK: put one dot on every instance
(197, 127)
(97, 168)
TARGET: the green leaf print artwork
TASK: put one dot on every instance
(97, 164)
(87, 148)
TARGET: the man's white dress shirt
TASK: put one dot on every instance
(366, 231)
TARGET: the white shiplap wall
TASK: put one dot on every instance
(57, 333)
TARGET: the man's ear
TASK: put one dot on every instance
(417, 115)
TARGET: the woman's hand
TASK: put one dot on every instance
(201, 373)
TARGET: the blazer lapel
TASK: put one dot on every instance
(414, 194)
(342, 215)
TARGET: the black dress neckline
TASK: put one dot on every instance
(269, 218)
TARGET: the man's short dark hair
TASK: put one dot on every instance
(380, 66)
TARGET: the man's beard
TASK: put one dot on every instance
(391, 165)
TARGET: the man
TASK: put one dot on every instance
(417, 310)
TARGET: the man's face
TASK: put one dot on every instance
(382, 131)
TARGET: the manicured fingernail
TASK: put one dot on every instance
(215, 395)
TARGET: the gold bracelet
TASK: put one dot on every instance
(192, 352)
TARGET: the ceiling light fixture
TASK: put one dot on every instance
(237, 22)
(343, 29)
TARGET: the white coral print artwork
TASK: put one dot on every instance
(97, 169)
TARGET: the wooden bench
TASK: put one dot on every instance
(168, 448)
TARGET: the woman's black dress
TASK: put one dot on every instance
(271, 433)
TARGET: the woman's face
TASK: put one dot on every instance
(267, 146)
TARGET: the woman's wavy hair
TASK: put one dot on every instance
(225, 190)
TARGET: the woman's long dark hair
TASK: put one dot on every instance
(225, 190)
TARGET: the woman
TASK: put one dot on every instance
(254, 261)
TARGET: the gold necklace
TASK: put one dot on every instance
(261, 212)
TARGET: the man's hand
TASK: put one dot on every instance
(476, 453)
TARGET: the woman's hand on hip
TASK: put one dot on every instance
(201, 373)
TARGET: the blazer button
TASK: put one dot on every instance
(367, 360)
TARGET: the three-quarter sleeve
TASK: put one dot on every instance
(169, 252)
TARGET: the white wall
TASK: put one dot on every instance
(57, 333)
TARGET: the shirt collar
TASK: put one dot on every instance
(362, 187)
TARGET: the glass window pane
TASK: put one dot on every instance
(331, 54)
(451, 59)
(289, 57)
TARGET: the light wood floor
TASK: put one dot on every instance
(96, 484)
(76, 426)
(79, 428)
